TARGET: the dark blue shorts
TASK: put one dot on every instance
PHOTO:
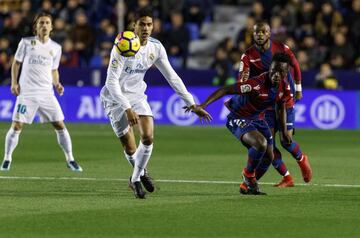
(239, 127)
(270, 118)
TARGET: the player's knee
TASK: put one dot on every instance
(17, 126)
(59, 125)
(261, 144)
(147, 140)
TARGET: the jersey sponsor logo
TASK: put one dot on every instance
(327, 112)
(176, 113)
(245, 88)
(39, 60)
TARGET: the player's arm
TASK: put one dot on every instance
(244, 68)
(297, 74)
(16, 66)
(56, 82)
(112, 83)
(281, 115)
(163, 64)
(15, 69)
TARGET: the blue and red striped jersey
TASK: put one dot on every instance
(256, 95)
(257, 62)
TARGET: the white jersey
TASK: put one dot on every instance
(125, 75)
(38, 60)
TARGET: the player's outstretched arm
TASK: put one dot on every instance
(218, 94)
(200, 112)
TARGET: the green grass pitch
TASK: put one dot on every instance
(40, 197)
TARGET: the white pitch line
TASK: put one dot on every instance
(169, 181)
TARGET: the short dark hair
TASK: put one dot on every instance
(41, 14)
(143, 12)
(281, 57)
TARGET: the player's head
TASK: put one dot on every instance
(279, 67)
(261, 33)
(143, 24)
(42, 24)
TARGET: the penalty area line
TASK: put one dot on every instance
(168, 181)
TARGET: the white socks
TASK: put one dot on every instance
(141, 157)
(130, 158)
(64, 140)
(11, 141)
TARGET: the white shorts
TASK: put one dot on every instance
(117, 116)
(47, 107)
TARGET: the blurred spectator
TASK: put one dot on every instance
(278, 30)
(223, 67)
(158, 32)
(169, 6)
(5, 59)
(68, 13)
(177, 38)
(59, 32)
(258, 12)
(246, 34)
(69, 57)
(303, 60)
(327, 20)
(82, 34)
(353, 21)
(194, 11)
(342, 52)
(326, 78)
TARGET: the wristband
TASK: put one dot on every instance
(298, 88)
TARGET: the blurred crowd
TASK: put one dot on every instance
(324, 32)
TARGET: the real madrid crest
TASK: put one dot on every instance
(152, 56)
(33, 43)
(51, 53)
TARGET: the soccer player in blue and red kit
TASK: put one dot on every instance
(255, 61)
(250, 99)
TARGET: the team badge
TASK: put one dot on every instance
(114, 63)
(245, 88)
(152, 56)
(51, 53)
(33, 42)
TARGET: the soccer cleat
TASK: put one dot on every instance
(306, 171)
(74, 166)
(286, 182)
(137, 189)
(250, 185)
(5, 166)
(146, 180)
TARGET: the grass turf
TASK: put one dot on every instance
(42, 202)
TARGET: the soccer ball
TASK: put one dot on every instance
(127, 43)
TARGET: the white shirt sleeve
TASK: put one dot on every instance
(20, 51)
(56, 59)
(112, 82)
(163, 64)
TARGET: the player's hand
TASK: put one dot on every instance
(200, 112)
(59, 89)
(298, 95)
(286, 138)
(15, 89)
(132, 117)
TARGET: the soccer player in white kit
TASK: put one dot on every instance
(38, 57)
(125, 102)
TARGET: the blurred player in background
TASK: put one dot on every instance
(38, 58)
(256, 60)
(125, 102)
(244, 121)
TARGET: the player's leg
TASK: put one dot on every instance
(11, 141)
(277, 162)
(65, 143)
(143, 152)
(294, 148)
(24, 112)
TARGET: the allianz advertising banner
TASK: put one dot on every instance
(317, 109)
